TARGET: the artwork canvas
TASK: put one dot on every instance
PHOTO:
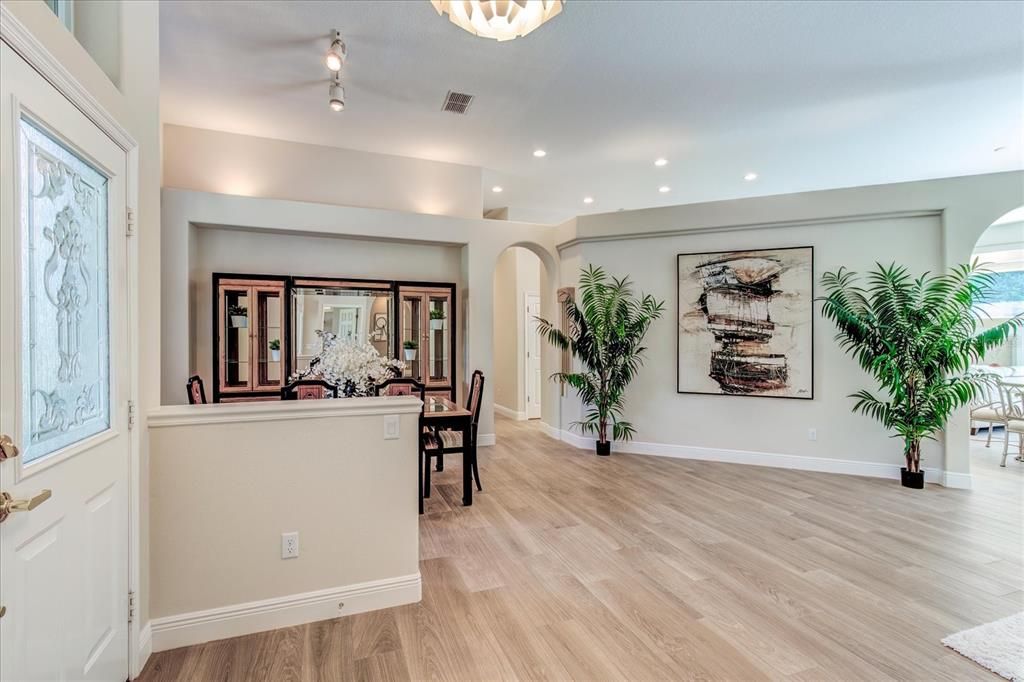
(746, 323)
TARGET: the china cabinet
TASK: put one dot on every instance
(265, 329)
(249, 326)
(426, 339)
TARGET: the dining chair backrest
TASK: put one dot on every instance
(309, 389)
(476, 395)
(196, 391)
(1013, 395)
(990, 393)
(401, 386)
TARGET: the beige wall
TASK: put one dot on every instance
(249, 252)
(251, 472)
(925, 225)
(517, 274)
(134, 102)
(480, 243)
(226, 163)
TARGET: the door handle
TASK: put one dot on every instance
(8, 450)
(9, 505)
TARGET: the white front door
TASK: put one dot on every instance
(63, 388)
(534, 380)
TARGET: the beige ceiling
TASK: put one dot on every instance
(810, 95)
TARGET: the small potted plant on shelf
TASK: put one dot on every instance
(238, 315)
(410, 347)
(275, 350)
(437, 318)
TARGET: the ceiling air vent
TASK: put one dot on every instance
(457, 102)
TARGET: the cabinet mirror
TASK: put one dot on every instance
(356, 314)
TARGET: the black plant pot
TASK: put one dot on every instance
(604, 447)
(912, 479)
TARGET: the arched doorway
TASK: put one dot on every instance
(1001, 249)
(517, 376)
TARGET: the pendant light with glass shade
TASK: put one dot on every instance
(499, 19)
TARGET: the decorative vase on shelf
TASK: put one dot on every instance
(275, 356)
(437, 324)
(410, 354)
(239, 321)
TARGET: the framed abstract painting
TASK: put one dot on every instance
(746, 323)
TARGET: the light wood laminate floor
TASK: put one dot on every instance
(570, 566)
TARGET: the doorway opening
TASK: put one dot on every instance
(518, 380)
(995, 436)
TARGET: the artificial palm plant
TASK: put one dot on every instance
(606, 332)
(917, 337)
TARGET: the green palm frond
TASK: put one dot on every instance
(605, 333)
(917, 337)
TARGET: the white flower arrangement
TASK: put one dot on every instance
(355, 368)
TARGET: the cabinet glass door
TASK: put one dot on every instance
(235, 351)
(438, 339)
(412, 335)
(267, 351)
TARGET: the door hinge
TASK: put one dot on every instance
(130, 222)
(131, 607)
(131, 415)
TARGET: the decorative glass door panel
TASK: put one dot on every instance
(438, 338)
(65, 331)
(412, 334)
(235, 351)
(270, 323)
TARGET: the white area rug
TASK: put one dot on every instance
(998, 646)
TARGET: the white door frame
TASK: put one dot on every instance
(526, 349)
(22, 41)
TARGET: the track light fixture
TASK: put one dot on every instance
(337, 94)
(337, 54)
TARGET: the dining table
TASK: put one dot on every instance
(441, 413)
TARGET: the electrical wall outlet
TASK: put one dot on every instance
(812, 434)
(289, 545)
(391, 427)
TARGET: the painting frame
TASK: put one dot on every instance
(810, 295)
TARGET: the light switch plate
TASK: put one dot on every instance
(391, 427)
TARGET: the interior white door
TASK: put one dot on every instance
(63, 387)
(533, 377)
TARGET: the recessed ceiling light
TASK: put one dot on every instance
(588, 200)
(750, 176)
(660, 162)
(539, 153)
(496, 189)
(664, 188)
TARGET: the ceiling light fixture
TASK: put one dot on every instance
(999, 148)
(337, 54)
(660, 162)
(750, 176)
(497, 189)
(539, 153)
(498, 19)
(664, 188)
(588, 200)
(337, 94)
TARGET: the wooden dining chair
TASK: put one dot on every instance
(448, 441)
(308, 389)
(196, 391)
(409, 386)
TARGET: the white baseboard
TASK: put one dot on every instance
(484, 440)
(764, 459)
(185, 629)
(145, 646)
(510, 413)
